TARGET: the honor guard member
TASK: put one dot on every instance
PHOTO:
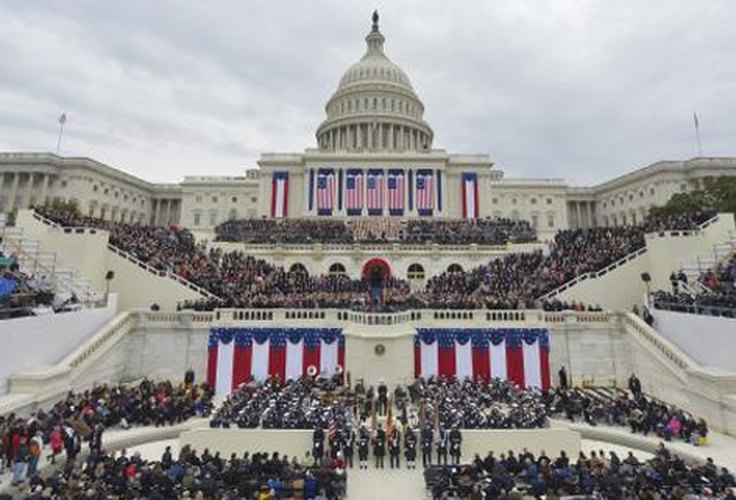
(318, 444)
(364, 439)
(394, 448)
(456, 440)
(410, 448)
(336, 443)
(427, 437)
(379, 446)
(442, 438)
(349, 446)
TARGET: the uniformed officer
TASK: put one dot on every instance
(427, 437)
(410, 448)
(456, 440)
(394, 448)
(442, 438)
(364, 439)
(379, 446)
(349, 444)
(318, 444)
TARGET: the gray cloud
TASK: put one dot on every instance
(581, 90)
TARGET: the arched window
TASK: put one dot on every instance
(337, 269)
(415, 272)
(455, 268)
(298, 268)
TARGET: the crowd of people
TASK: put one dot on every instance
(204, 475)
(300, 404)
(513, 281)
(485, 231)
(516, 475)
(84, 416)
(716, 298)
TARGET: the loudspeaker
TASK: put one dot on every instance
(646, 277)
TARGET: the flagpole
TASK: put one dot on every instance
(697, 134)
(62, 120)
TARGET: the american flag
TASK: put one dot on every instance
(325, 191)
(374, 185)
(396, 192)
(425, 192)
(354, 192)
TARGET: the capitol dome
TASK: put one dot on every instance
(374, 107)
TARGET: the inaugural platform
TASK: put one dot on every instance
(372, 317)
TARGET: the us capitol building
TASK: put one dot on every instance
(374, 158)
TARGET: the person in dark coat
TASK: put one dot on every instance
(349, 446)
(562, 374)
(379, 446)
(364, 439)
(442, 443)
(635, 386)
(410, 448)
(318, 445)
(427, 437)
(456, 440)
(394, 448)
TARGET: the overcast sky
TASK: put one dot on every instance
(582, 90)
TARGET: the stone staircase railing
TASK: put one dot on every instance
(133, 259)
(673, 357)
(624, 260)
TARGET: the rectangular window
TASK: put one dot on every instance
(197, 219)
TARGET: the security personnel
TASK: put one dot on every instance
(410, 448)
(427, 437)
(394, 448)
(456, 440)
(379, 446)
(442, 438)
(364, 439)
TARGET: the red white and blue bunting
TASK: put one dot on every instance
(280, 194)
(520, 355)
(235, 355)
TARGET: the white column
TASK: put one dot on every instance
(13, 191)
(27, 192)
(44, 188)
